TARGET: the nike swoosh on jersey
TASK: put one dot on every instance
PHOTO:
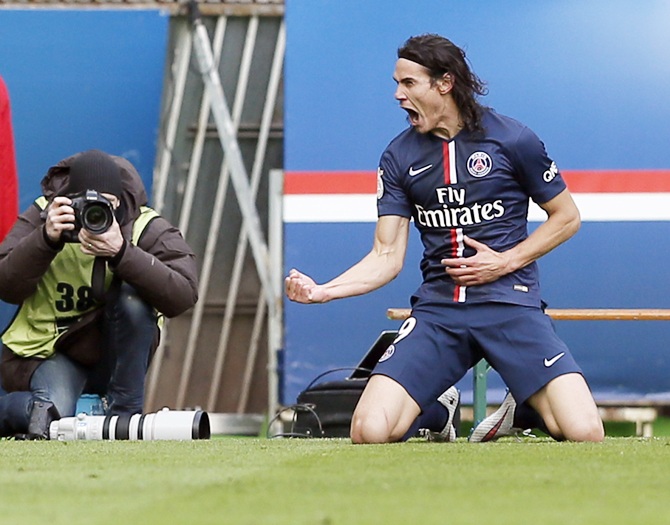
(550, 362)
(413, 172)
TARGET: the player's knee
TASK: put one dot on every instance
(586, 430)
(369, 428)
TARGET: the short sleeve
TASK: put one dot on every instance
(391, 196)
(536, 172)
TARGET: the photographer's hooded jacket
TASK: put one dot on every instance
(53, 283)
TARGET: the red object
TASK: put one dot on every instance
(9, 186)
(578, 181)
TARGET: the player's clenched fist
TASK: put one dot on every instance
(302, 288)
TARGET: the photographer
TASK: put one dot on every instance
(93, 270)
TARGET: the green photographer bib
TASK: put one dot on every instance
(62, 296)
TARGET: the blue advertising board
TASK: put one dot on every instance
(587, 77)
(80, 79)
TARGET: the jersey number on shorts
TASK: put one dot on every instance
(405, 329)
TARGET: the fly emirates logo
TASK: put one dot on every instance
(454, 213)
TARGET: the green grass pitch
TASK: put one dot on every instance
(330, 482)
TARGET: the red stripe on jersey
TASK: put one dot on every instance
(446, 162)
(457, 251)
(451, 177)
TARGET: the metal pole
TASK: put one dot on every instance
(241, 250)
(201, 132)
(276, 314)
(205, 274)
(180, 66)
(479, 391)
(227, 137)
(235, 277)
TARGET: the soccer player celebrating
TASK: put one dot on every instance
(465, 174)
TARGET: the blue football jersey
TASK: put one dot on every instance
(477, 184)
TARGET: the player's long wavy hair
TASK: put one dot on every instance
(441, 56)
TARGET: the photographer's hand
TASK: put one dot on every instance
(105, 244)
(60, 217)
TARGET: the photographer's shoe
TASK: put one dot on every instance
(498, 424)
(41, 416)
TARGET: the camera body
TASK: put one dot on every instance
(92, 212)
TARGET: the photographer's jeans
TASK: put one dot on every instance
(129, 330)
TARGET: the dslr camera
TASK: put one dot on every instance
(92, 211)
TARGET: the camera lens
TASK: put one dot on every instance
(162, 425)
(97, 217)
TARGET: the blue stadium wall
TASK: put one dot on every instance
(81, 79)
(588, 77)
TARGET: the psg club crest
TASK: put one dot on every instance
(387, 354)
(479, 164)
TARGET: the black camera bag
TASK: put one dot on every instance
(325, 409)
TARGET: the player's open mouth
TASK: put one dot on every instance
(412, 116)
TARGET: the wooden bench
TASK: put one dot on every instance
(641, 412)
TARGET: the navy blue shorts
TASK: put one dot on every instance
(436, 347)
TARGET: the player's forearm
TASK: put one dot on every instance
(372, 272)
(560, 226)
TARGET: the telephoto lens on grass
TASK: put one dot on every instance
(174, 425)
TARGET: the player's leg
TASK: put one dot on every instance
(568, 409)
(521, 344)
(384, 412)
(412, 385)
